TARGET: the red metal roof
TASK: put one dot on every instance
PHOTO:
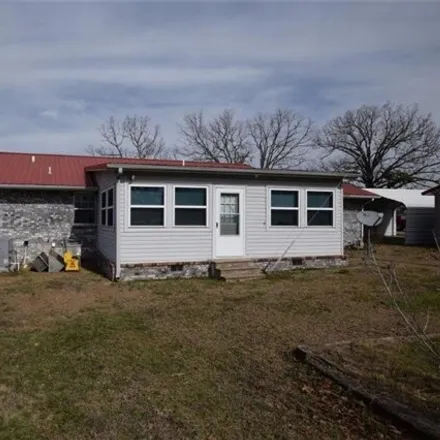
(351, 190)
(36, 169)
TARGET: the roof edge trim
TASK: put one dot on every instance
(230, 171)
(48, 187)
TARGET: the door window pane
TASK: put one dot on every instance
(284, 217)
(229, 214)
(319, 199)
(319, 218)
(141, 195)
(284, 199)
(190, 197)
(229, 224)
(229, 203)
(147, 217)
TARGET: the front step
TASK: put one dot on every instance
(236, 270)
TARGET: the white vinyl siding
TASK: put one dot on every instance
(106, 237)
(271, 242)
(171, 243)
(146, 244)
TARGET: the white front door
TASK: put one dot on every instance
(229, 222)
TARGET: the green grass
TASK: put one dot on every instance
(84, 358)
(73, 373)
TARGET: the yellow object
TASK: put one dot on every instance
(71, 262)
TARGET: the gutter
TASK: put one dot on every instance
(372, 197)
(238, 172)
(118, 228)
(49, 187)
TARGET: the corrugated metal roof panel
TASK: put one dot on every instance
(69, 171)
(411, 198)
(351, 190)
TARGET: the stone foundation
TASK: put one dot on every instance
(272, 265)
(164, 271)
(161, 271)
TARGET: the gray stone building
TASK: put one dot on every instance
(355, 199)
(37, 218)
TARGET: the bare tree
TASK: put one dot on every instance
(134, 137)
(222, 139)
(389, 145)
(280, 139)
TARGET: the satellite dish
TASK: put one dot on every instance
(370, 218)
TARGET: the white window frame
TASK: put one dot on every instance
(321, 190)
(205, 207)
(75, 195)
(107, 207)
(130, 206)
(269, 207)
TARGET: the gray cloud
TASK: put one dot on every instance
(67, 67)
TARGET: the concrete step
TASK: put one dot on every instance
(237, 273)
(245, 277)
(234, 263)
(230, 267)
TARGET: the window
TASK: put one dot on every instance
(147, 206)
(319, 208)
(190, 206)
(229, 214)
(107, 207)
(284, 208)
(85, 209)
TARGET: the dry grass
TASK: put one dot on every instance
(399, 368)
(83, 358)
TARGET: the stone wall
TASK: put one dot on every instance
(41, 217)
(164, 271)
(204, 269)
(272, 265)
(352, 227)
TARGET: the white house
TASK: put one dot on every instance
(160, 218)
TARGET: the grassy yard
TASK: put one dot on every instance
(83, 358)
(399, 368)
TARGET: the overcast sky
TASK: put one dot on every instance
(65, 67)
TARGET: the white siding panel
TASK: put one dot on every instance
(170, 244)
(106, 239)
(167, 244)
(263, 241)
